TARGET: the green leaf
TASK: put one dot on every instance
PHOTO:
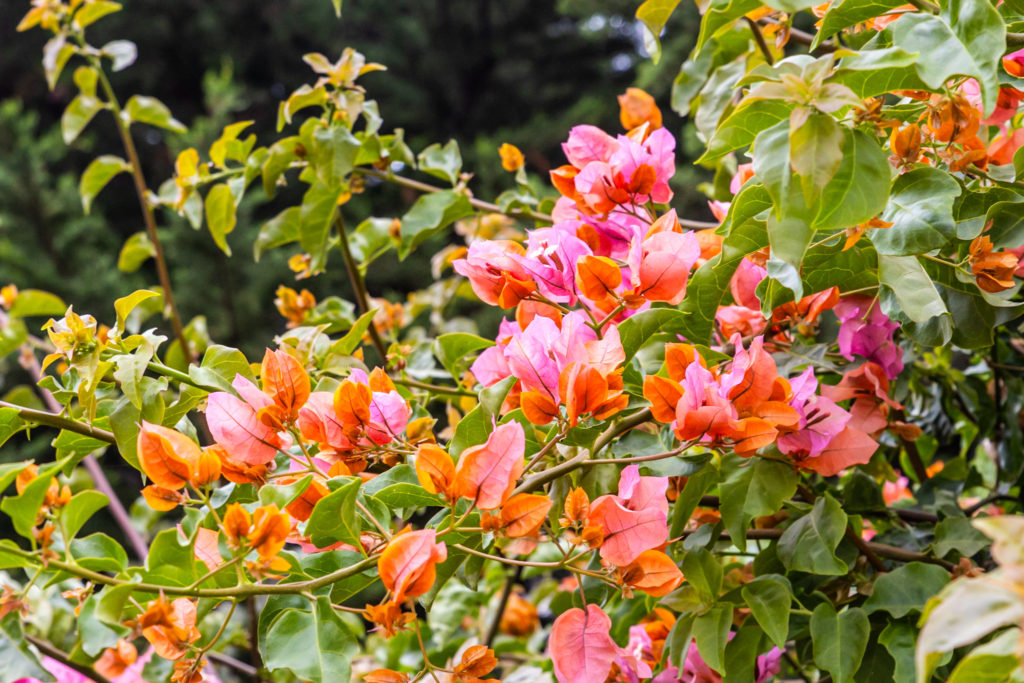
(839, 640)
(77, 116)
(815, 151)
(284, 228)
(899, 638)
(958, 534)
(79, 509)
(809, 544)
(354, 337)
(170, 562)
(911, 287)
(754, 489)
(405, 496)
(720, 16)
(770, 600)
(220, 215)
(371, 239)
(856, 193)
(20, 661)
(711, 631)
(220, 366)
(638, 329)
(24, 507)
(126, 304)
(334, 517)
(453, 350)
(95, 634)
(441, 162)
(94, 11)
(430, 214)
(337, 8)
(654, 14)
(704, 572)
(97, 175)
(134, 252)
(99, 553)
(318, 211)
(32, 302)
(283, 495)
(740, 128)
(848, 13)
(921, 212)
(314, 645)
(993, 662)
(9, 471)
(875, 72)
(333, 155)
(142, 109)
(967, 39)
(906, 589)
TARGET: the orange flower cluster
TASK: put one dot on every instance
(171, 460)
(993, 270)
(170, 627)
(265, 531)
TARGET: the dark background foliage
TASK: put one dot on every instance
(480, 71)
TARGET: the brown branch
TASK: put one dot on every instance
(52, 652)
(762, 45)
(359, 289)
(880, 549)
(495, 623)
(906, 514)
(523, 214)
(41, 417)
(142, 190)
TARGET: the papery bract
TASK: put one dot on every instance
(487, 473)
(407, 565)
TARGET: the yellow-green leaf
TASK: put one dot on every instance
(220, 215)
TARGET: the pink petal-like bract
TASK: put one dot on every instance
(581, 647)
(487, 473)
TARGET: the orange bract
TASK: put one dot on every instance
(597, 277)
(993, 270)
(477, 661)
(511, 157)
(653, 572)
(285, 381)
(487, 473)
(170, 627)
(524, 514)
(166, 456)
(636, 108)
(352, 405)
(407, 565)
(434, 469)
(386, 676)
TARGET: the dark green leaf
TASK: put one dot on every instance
(839, 640)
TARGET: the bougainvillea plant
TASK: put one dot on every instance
(783, 444)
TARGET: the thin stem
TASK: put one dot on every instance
(359, 288)
(240, 591)
(495, 623)
(639, 458)
(232, 663)
(525, 214)
(759, 39)
(41, 417)
(527, 563)
(613, 431)
(545, 450)
(373, 520)
(434, 388)
(142, 190)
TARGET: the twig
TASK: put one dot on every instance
(435, 388)
(41, 417)
(525, 214)
(232, 663)
(52, 652)
(142, 190)
(495, 623)
(359, 288)
(254, 637)
(615, 430)
(755, 28)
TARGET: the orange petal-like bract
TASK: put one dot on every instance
(849, 447)
(285, 381)
(523, 514)
(627, 533)
(435, 469)
(658, 573)
(407, 565)
(166, 456)
(487, 473)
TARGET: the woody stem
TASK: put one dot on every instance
(495, 623)
(142, 190)
(359, 288)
